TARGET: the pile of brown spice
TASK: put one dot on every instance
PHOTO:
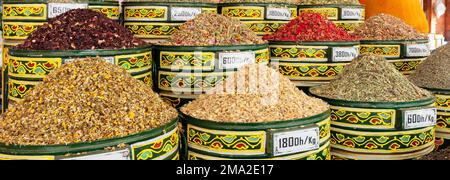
(443, 154)
(387, 27)
(256, 93)
(208, 29)
(434, 72)
(336, 2)
(84, 101)
(371, 78)
(81, 29)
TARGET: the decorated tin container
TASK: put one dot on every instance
(182, 73)
(378, 130)
(6, 45)
(301, 139)
(161, 143)
(347, 17)
(404, 55)
(22, 17)
(261, 18)
(155, 21)
(311, 63)
(28, 68)
(443, 118)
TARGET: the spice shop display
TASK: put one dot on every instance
(377, 113)
(433, 74)
(75, 34)
(202, 54)
(262, 16)
(256, 114)
(310, 50)
(158, 20)
(91, 110)
(346, 14)
(387, 36)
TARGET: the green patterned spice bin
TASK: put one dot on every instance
(404, 55)
(21, 18)
(182, 73)
(28, 68)
(209, 140)
(157, 144)
(6, 45)
(261, 18)
(311, 63)
(347, 17)
(155, 21)
(370, 130)
(443, 118)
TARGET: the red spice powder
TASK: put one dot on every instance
(310, 27)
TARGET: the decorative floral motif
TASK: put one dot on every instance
(348, 26)
(407, 66)
(381, 143)
(387, 51)
(146, 78)
(443, 121)
(299, 53)
(24, 11)
(264, 27)
(443, 101)
(111, 12)
(363, 118)
(152, 30)
(19, 30)
(145, 13)
(156, 149)
(189, 82)
(299, 71)
(262, 56)
(135, 62)
(330, 13)
(187, 60)
(32, 67)
(18, 89)
(244, 13)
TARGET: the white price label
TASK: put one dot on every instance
(55, 9)
(230, 60)
(419, 118)
(114, 155)
(278, 13)
(296, 141)
(344, 54)
(184, 13)
(352, 13)
(417, 50)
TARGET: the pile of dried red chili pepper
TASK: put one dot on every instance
(310, 27)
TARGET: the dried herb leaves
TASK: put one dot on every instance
(256, 93)
(81, 29)
(371, 79)
(84, 101)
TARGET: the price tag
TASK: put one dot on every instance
(184, 13)
(55, 9)
(419, 118)
(114, 155)
(296, 141)
(273, 13)
(417, 50)
(344, 54)
(230, 60)
(352, 13)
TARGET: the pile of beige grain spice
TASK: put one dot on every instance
(387, 27)
(434, 72)
(371, 78)
(84, 101)
(208, 29)
(254, 94)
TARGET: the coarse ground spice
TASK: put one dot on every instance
(310, 27)
(84, 101)
(443, 154)
(371, 78)
(434, 72)
(256, 93)
(81, 29)
(336, 2)
(260, 1)
(196, 1)
(387, 27)
(209, 29)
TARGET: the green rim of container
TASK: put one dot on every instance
(438, 91)
(330, 6)
(77, 53)
(87, 146)
(315, 43)
(211, 48)
(378, 105)
(254, 126)
(169, 4)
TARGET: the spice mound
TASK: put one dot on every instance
(310, 27)
(254, 94)
(336, 2)
(208, 29)
(371, 79)
(84, 101)
(435, 71)
(81, 29)
(260, 1)
(387, 27)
